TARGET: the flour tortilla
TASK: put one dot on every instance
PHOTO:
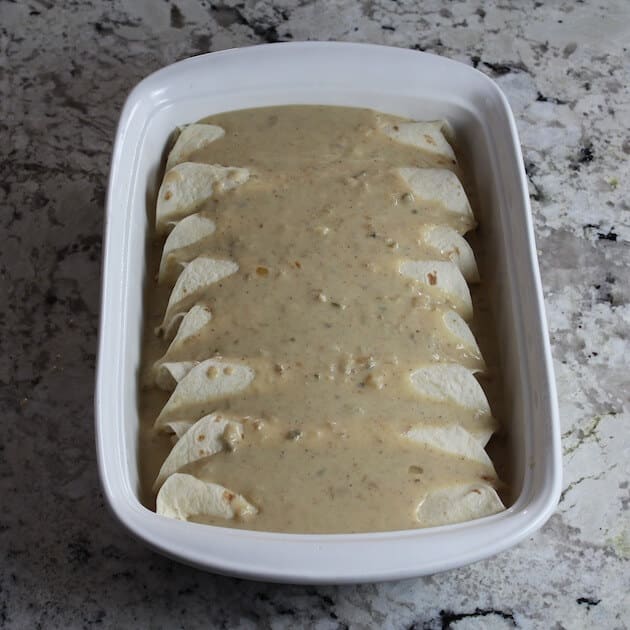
(188, 231)
(192, 323)
(192, 138)
(439, 186)
(178, 428)
(442, 279)
(186, 186)
(458, 503)
(449, 243)
(184, 496)
(451, 439)
(197, 276)
(483, 432)
(430, 137)
(203, 439)
(460, 330)
(168, 374)
(207, 382)
(450, 383)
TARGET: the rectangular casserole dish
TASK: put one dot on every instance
(396, 81)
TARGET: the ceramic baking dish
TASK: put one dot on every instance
(397, 81)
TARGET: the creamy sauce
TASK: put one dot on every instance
(331, 328)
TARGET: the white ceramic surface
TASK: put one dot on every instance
(397, 81)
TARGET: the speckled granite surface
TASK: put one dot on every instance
(65, 69)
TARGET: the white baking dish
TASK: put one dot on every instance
(392, 80)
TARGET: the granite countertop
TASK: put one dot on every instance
(64, 72)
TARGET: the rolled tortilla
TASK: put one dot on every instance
(192, 138)
(458, 503)
(439, 186)
(446, 241)
(209, 435)
(188, 231)
(197, 276)
(184, 496)
(460, 330)
(178, 428)
(168, 374)
(451, 439)
(427, 136)
(450, 383)
(207, 382)
(192, 323)
(442, 279)
(186, 186)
